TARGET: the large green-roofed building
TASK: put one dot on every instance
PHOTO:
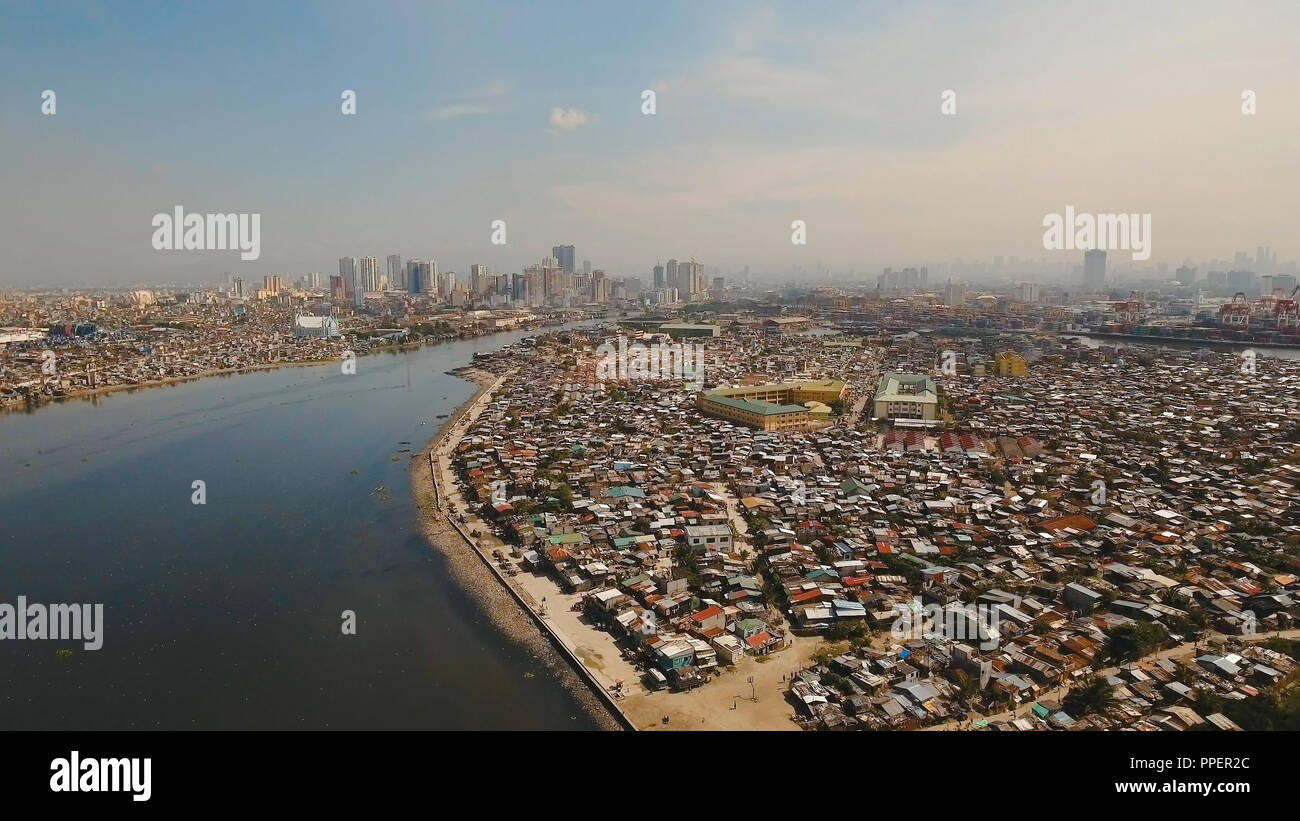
(905, 396)
(773, 405)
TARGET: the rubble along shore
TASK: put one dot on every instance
(472, 574)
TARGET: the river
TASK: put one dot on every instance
(227, 615)
(1184, 345)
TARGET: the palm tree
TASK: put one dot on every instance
(1094, 696)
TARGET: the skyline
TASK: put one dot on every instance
(762, 117)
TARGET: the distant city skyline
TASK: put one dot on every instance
(763, 116)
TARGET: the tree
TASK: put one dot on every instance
(1095, 696)
(826, 652)
(1132, 642)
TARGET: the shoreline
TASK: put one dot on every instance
(1181, 341)
(92, 393)
(750, 697)
(473, 570)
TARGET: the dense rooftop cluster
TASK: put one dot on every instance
(112, 340)
(1106, 505)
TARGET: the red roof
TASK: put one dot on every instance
(706, 614)
(759, 640)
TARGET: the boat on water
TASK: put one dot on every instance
(441, 416)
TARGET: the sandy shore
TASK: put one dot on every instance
(469, 568)
(727, 703)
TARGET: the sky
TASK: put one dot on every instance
(531, 113)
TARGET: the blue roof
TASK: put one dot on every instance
(620, 492)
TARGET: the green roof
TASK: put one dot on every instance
(756, 406)
(566, 538)
(906, 387)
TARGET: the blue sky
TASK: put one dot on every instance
(825, 112)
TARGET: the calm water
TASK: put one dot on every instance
(227, 615)
(1094, 342)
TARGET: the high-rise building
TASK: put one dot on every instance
(368, 273)
(338, 290)
(1186, 275)
(272, 284)
(660, 282)
(348, 270)
(395, 272)
(564, 256)
(1094, 270)
(239, 287)
(954, 293)
(586, 267)
(599, 287)
(420, 276)
(1243, 281)
(671, 275)
(690, 275)
(1263, 258)
(480, 280)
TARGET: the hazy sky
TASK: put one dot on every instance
(531, 113)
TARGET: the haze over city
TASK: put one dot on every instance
(765, 114)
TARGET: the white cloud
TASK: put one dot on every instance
(456, 111)
(470, 103)
(569, 119)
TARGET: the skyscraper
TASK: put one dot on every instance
(1094, 270)
(690, 278)
(564, 256)
(480, 277)
(586, 266)
(395, 271)
(419, 276)
(348, 270)
(368, 273)
(660, 282)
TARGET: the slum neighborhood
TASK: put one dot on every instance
(1011, 531)
(59, 345)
